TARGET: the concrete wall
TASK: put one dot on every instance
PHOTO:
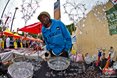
(95, 35)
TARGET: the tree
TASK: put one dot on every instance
(71, 28)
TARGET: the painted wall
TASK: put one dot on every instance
(95, 35)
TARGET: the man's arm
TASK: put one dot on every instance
(47, 45)
(67, 36)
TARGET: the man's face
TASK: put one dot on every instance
(45, 20)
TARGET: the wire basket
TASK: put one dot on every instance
(21, 70)
(58, 63)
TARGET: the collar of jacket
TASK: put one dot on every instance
(45, 29)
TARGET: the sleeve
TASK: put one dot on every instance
(67, 36)
(47, 45)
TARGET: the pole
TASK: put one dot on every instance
(5, 8)
(57, 10)
(13, 18)
(4, 27)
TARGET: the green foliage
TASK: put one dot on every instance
(71, 28)
(111, 15)
(40, 37)
(22, 34)
(33, 35)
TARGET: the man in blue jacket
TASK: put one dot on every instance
(56, 36)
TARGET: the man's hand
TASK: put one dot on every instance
(64, 53)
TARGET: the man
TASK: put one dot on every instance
(7, 42)
(103, 61)
(112, 55)
(56, 36)
(0, 43)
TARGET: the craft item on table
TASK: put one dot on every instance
(108, 71)
(99, 55)
(78, 57)
(47, 56)
(43, 54)
(94, 57)
(108, 61)
(88, 59)
(73, 52)
(115, 65)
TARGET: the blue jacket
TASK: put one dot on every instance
(57, 37)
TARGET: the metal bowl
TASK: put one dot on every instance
(58, 63)
(21, 70)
